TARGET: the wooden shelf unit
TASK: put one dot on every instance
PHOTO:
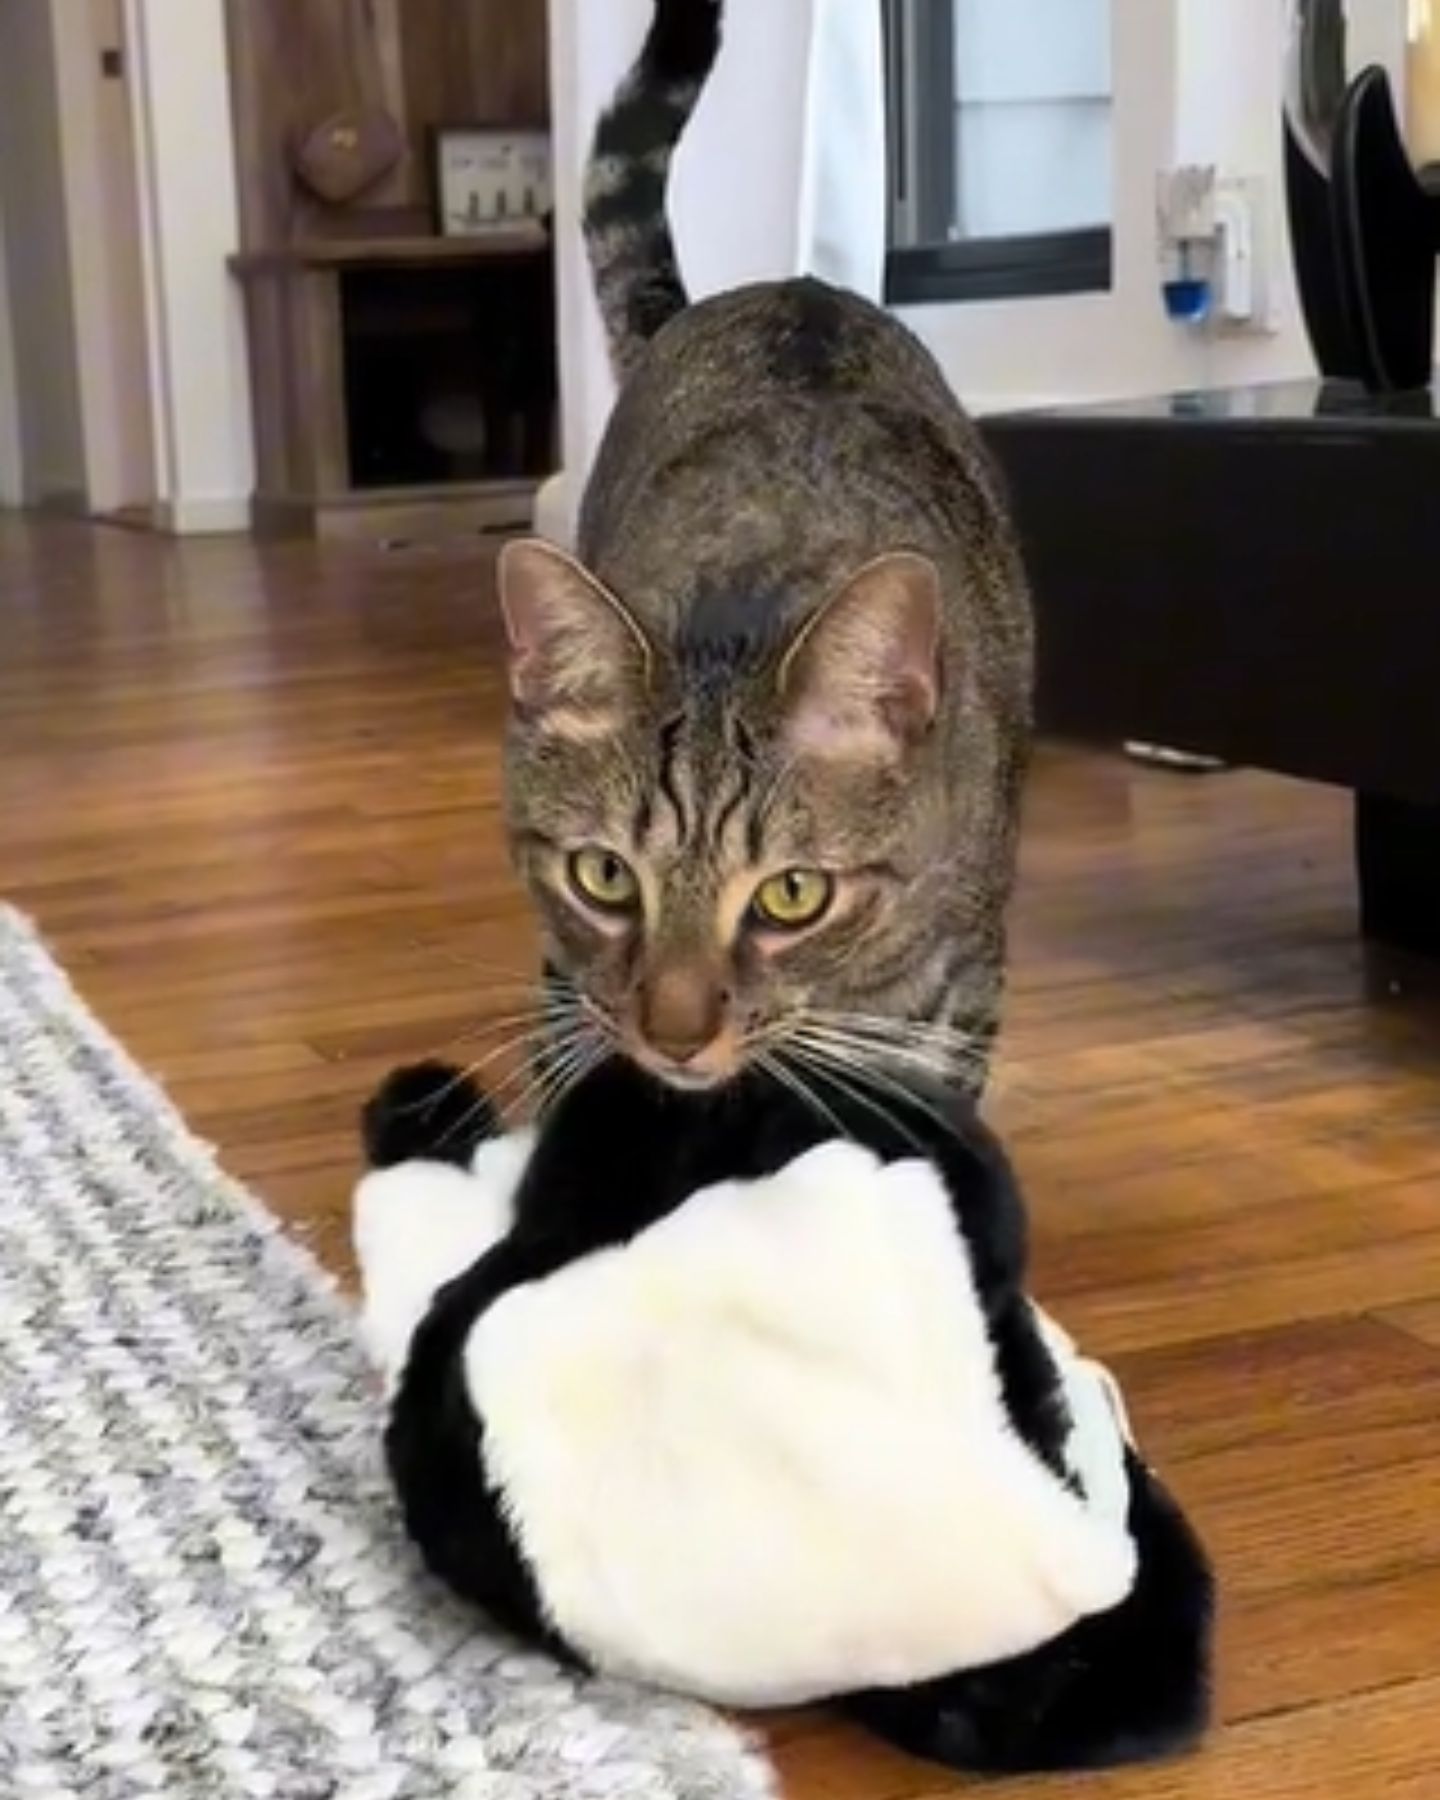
(333, 420)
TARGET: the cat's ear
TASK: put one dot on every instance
(862, 679)
(579, 663)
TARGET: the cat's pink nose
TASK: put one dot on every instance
(682, 1012)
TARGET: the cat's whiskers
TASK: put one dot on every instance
(516, 1032)
(598, 1053)
(501, 982)
(888, 1025)
(553, 992)
(850, 1081)
(546, 1046)
(572, 1035)
(940, 1054)
(774, 1065)
(517, 978)
(557, 997)
(927, 1058)
(560, 1070)
(492, 1027)
(488, 1095)
(514, 1040)
(598, 1017)
(848, 1057)
(963, 1054)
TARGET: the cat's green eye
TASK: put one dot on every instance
(604, 880)
(794, 899)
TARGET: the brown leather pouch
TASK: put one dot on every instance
(346, 153)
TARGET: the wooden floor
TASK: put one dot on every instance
(253, 801)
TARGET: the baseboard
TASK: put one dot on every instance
(394, 517)
(60, 502)
(213, 516)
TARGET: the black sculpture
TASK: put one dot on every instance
(1364, 225)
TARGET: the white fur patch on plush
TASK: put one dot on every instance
(761, 1454)
(419, 1225)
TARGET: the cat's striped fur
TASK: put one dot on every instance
(796, 637)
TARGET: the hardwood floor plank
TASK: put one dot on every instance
(1421, 1320)
(1245, 1269)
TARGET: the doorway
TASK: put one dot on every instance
(74, 260)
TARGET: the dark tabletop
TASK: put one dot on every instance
(1261, 403)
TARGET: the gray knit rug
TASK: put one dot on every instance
(203, 1585)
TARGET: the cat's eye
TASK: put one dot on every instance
(793, 899)
(604, 880)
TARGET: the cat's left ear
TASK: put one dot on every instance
(862, 679)
(579, 663)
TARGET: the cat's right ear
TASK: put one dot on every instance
(579, 663)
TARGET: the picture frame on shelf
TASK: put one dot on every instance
(489, 178)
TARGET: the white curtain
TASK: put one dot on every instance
(783, 169)
(782, 172)
(844, 195)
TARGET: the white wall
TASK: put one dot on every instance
(38, 266)
(190, 224)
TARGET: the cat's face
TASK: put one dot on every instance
(720, 858)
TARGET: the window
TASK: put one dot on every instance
(1000, 118)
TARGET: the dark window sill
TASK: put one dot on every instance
(1016, 268)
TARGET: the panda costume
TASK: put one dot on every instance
(688, 1390)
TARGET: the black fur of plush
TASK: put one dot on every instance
(1126, 1685)
(428, 1111)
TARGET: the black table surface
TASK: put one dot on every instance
(1286, 403)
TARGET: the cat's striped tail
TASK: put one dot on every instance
(637, 277)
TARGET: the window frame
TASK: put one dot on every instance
(924, 168)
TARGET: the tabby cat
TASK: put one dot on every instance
(769, 725)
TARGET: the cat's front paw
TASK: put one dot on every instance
(426, 1112)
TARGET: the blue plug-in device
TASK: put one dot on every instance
(1189, 293)
(1188, 299)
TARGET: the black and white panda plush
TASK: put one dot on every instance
(688, 1390)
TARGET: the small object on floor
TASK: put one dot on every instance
(748, 1401)
(1162, 756)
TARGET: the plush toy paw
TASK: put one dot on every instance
(428, 1112)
